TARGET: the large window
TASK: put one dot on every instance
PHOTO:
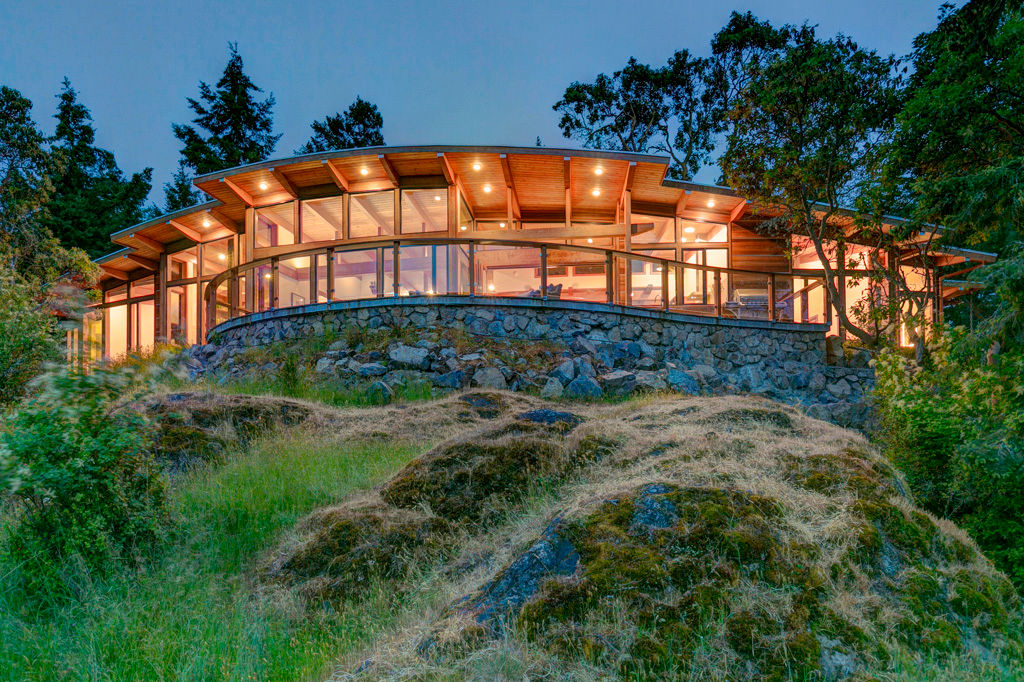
(424, 210)
(182, 264)
(275, 225)
(218, 256)
(322, 219)
(182, 313)
(649, 229)
(699, 233)
(372, 214)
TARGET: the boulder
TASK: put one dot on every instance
(325, 366)
(840, 389)
(455, 379)
(372, 369)
(682, 382)
(552, 388)
(379, 393)
(834, 354)
(583, 387)
(409, 357)
(619, 382)
(565, 372)
(490, 377)
(650, 381)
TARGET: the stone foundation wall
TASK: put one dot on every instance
(778, 360)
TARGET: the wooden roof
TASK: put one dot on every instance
(534, 183)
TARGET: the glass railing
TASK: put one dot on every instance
(511, 268)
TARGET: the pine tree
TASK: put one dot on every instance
(231, 127)
(178, 193)
(91, 196)
(359, 126)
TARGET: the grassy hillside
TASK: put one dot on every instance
(720, 537)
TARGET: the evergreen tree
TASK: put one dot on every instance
(231, 127)
(91, 196)
(359, 126)
(178, 193)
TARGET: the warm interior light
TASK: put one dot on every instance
(430, 292)
(682, 239)
(263, 185)
(463, 228)
(598, 171)
(490, 287)
(476, 166)
(266, 276)
(437, 197)
(221, 256)
(688, 229)
(596, 192)
(364, 171)
(501, 224)
(590, 240)
(657, 269)
(487, 188)
(711, 203)
(206, 222)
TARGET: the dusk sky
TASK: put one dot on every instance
(441, 73)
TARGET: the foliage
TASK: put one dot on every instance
(91, 196)
(179, 193)
(234, 128)
(956, 425)
(28, 336)
(958, 155)
(87, 488)
(670, 109)
(190, 614)
(359, 126)
(805, 127)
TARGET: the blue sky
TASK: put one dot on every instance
(445, 73)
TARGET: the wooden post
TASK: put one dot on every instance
(273, 283)
(609, 271)
(664, 284)
(718, 293)
(771, 297)
(472, 269)
(544, 273)
(395, 273)
(330, 275)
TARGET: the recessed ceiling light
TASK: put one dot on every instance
(221, 256)
(463, 228)
(437, 197)
(490, 287)
(590, 240)
(501, 224)
(364, 171)
(487, 189)
(596, 192)
(711, 203)
(688, 230)
(206, 222)
(598, 171)
(476, 165)
(263, 185)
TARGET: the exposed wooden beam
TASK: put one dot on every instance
(627, 183)
(147, 241)
(328, 218)
(739, 211)
(681, 204)
(446, 168)
(236, 226)
(285, 183)
(339, 178)
(147, 263)
(187, 231)
(510, 189)
(239, 192)
(360, 201)
(389, 170)
(567, 177)
(116, 274)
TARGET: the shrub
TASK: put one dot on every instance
(87, 490)
(28, 336)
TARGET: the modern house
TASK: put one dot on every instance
(601, 227)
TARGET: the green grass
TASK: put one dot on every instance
(194, 613)
(323, 391)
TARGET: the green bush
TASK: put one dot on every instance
(85, 489)
(28, 336)
(955, 426)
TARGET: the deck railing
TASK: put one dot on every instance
(511, 268)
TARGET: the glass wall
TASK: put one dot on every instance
(275, 226)
(693, 232)
(182, 310)
(372, 214)
(424, 210)
(293, 275)
(355, 274)
(466, 222)
(322, 219)
(653, 230)
(509, 271)
(218, 256)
